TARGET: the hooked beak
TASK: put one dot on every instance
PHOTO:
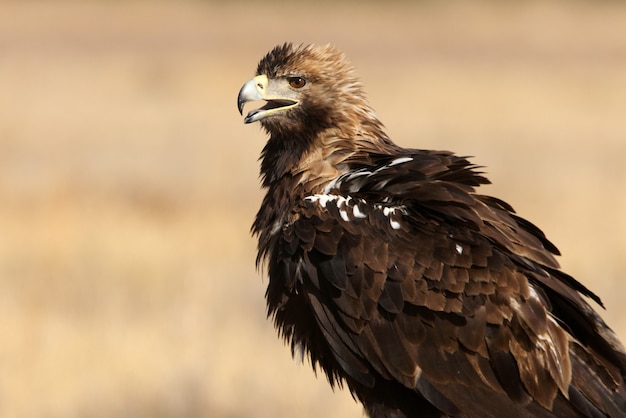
(258, 89)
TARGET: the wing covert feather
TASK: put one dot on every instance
(435, 288)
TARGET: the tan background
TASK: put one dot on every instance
(128, 182)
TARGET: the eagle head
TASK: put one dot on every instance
(307, 89)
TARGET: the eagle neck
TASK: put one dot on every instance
(281, 154)
(277, 204)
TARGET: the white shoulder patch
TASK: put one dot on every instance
(322, 199)
(344, 215)
(351, 209)
(394, 224)
(400, 161)
(356, 211)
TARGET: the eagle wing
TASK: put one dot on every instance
(411, 277)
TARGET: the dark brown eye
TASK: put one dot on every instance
(296, 82)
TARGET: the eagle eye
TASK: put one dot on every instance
(296, 82)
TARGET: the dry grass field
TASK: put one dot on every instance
(128, 181)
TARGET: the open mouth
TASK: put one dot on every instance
(271, 106)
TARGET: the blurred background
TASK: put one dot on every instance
(128, 182)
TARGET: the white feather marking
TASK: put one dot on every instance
(390, 210)
(387, 210)
(459, 249)
(400, 161)
(356, 211)
(331, 185)
(322, 199)
(343, 203)
(353, 176)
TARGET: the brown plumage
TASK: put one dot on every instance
(397, 278)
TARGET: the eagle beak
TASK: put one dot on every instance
(251, 91)
(257, 89)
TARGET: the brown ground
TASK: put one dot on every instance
(128, 182)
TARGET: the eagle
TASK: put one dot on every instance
(392, 274)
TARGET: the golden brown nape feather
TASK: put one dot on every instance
(395, 277)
